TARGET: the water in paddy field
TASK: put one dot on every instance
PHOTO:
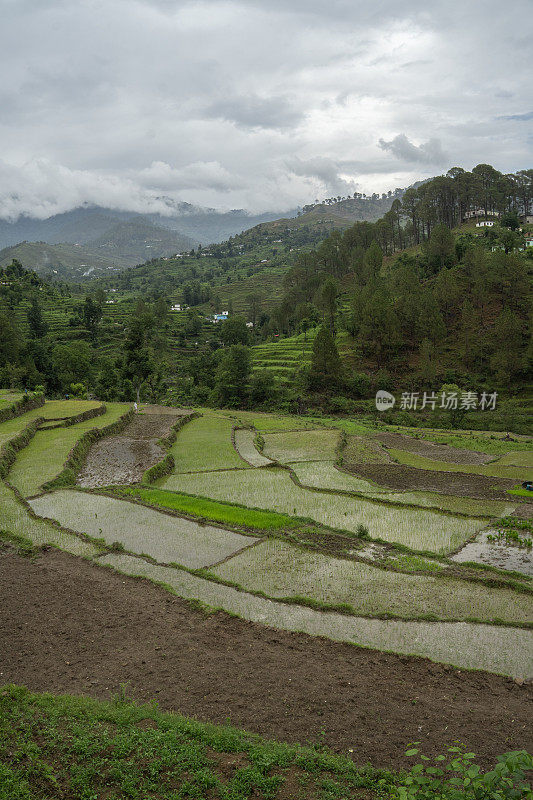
(497, 554)
(164, 537)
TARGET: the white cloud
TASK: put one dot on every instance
(243, 103)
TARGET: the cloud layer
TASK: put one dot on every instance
(136, 104)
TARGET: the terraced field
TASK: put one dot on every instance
(305, 547)
(299, 541)
(274, 490)
(44, 457)
(284, 357)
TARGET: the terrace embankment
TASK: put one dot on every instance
(124, 458)
(82, 629)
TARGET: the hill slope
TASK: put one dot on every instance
(121, 245)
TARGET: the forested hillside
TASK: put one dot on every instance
(421, 298)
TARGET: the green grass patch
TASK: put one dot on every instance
(292, 446)
(521, 492)
(204, 508)
(269, 423)
(53, 747)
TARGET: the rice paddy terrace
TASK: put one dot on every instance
(372, 537)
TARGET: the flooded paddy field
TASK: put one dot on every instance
(244, 444)
(16, 519)
(86, 630)
(502, 650)
(461, 619)
(281, 570)
(325, 475)
(142, 530)
(419, 529)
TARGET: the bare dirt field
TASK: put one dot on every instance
(82, 629)
(123, 458)
(460, 484)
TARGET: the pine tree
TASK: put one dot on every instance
(38, 326)
(325, 364)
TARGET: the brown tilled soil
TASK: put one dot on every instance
(437, 452)
(69, 626)
(123, 458)
(461, 484)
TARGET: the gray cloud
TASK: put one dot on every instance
(429, 152)
(139, 104)
(257, 112)
(520, 117)
(325, 171)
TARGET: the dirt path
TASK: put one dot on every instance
(437, 452)
(123, 458)
(460, 484)
(82, 629)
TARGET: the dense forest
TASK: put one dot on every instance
(422, 297)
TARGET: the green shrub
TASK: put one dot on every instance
(456, 776)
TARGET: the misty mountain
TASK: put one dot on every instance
(88, 223)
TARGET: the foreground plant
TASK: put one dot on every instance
(456, 777)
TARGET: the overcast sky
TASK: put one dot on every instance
(256, 104)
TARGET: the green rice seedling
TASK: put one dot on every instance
(205, 508)
(205, 444)
(273, 489)
(511, 538)
(292, 446)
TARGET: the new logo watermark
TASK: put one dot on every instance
(384, 400)
(448, 401)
